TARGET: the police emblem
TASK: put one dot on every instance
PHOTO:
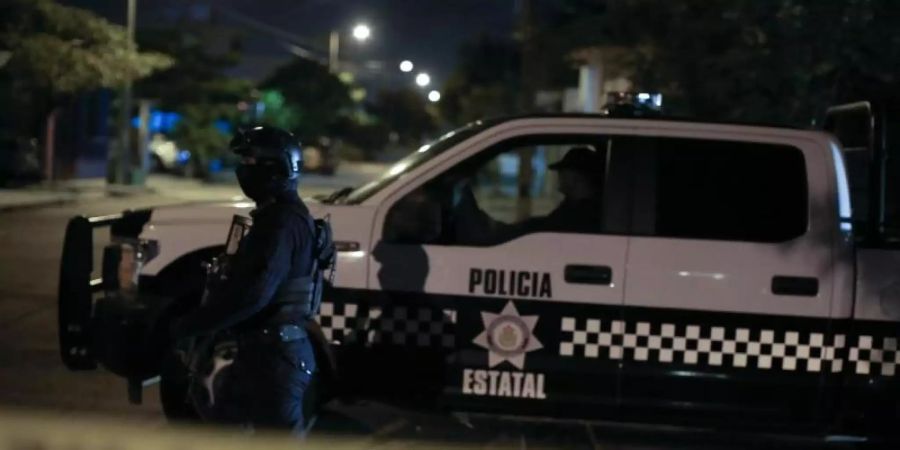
(508, 336)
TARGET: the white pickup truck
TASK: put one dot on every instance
(727, 279)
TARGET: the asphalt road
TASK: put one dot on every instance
(32, 376)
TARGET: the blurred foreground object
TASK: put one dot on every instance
(19, 430)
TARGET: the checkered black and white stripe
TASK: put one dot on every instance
(875, 356)
(701, 344)
(340, 322)
(419, 326)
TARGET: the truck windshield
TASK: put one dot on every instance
(413, 160)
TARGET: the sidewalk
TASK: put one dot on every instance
(86, 189)
(11, 199)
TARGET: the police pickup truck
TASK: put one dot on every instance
(727, 280)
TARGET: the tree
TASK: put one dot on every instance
(199, 132)
(313, 98)
(58, 51)
(196, 77)
(485, 82)
(64, 50)
(361, 139)
(770, 61)
(196, 88)
(276, 112)
(403, 112)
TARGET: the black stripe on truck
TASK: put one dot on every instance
(609, 361)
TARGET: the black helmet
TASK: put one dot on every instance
(278, 161)
(272, 147)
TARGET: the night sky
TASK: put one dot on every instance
(428, 32)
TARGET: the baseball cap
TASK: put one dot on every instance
(582, 159)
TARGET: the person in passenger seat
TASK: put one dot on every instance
(581, 173)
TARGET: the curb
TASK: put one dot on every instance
(120, 191)
(35, 205)
(75, 196)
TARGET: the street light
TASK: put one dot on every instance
(423, 79)
(361, 32)
(406, 66)
(434, 96)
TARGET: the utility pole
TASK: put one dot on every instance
(124, 169)
(528, 67)
(334, 46)
(527, 72)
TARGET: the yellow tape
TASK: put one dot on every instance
(36, 431)
(42, 432)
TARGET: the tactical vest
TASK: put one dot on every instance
(305, 292)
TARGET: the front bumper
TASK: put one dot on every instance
(87, 305)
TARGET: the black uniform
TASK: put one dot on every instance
(261, 302)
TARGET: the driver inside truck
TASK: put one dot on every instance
(581, 173)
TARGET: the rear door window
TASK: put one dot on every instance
(708, 189)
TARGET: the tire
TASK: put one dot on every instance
(173, 390)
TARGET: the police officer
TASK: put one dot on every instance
(581, 172)
(266, 297)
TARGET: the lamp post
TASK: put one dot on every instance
(361, 32)
(123, 173)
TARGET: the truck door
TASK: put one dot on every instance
(729, 285)
(530, 301)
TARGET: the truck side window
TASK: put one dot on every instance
(549, 184)
(416, 219)
(707, 189)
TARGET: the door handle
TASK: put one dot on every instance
(797, 286)
(582, 274)
(346, 246)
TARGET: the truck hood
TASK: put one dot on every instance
(183, 229)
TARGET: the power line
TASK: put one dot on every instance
(295, 44)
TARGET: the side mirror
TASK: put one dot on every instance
(853, 125)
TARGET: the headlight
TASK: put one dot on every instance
(122, 264)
